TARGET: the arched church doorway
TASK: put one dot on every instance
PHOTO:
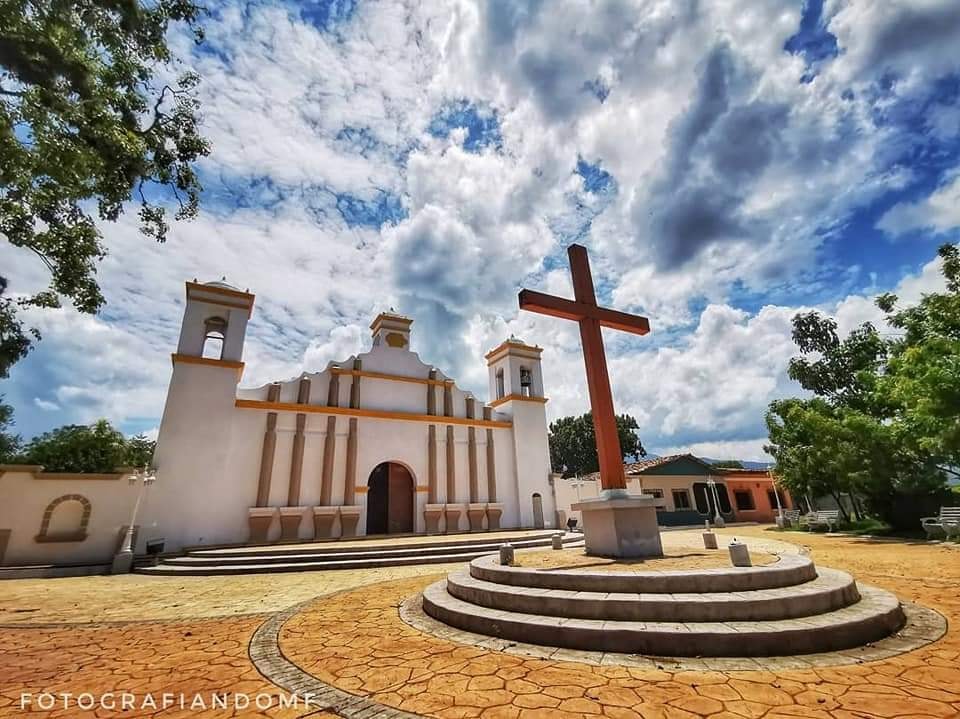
(390, 500)
(537, 511)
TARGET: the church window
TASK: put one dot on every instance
(526, 380)
(681, 500)
(500, 389)
(215, 329)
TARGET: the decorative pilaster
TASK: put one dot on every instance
(269, 448)
(491, 459)
(472, 470)
(350, 480)
(329, 443)
(494, 510)
(432, 464)
(296, 465)
(451, 467)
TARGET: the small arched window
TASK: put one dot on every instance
(215, 331)
(500, 389)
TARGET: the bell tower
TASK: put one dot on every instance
(193, 445)
(516, 390)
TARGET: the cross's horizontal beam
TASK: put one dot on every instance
(571, 310)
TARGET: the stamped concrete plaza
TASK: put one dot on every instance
(340, 634)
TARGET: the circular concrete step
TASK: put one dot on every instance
(876, 615)
(830, 590)
(789, 570)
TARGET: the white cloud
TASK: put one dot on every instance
(750, 450)
(940, 211)
(731, 174)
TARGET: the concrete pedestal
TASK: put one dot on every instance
(453, 512)
(620, 525)
(323, 519)
(431, 517)
(493, 516)
(290, 521)
(475, 513)
(349, 519)
(260, 520)
(122, 563)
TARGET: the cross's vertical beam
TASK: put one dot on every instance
(598, 380)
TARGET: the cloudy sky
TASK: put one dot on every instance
(726, 164)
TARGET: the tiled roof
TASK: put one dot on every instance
(631, 468)
(635, 468)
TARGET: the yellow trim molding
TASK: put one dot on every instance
(359, 490)
(190, 359)
(246, 298)
(388, 318)
(421, 488)
(390, 377)
(368, 413)
(506, 346)
(517, 398)
(79, 476)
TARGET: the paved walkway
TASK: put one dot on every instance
(150, 635)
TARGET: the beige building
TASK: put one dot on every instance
(681, 484)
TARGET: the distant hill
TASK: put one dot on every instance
(747, 464)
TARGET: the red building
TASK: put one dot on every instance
(752, 495)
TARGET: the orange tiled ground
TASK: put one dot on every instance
(356, 641)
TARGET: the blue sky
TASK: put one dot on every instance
(726, 167)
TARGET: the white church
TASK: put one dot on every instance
(379, 443)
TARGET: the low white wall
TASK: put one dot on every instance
(26, 494)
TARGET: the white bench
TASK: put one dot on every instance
(792, 516)
(948, 522)
(828, 517)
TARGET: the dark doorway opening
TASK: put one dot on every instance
(390, 500)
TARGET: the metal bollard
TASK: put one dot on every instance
(506, 554)
(557, 541)
(739, 554)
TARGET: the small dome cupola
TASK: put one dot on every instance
(391, 330)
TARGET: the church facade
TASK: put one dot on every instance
(377, 443)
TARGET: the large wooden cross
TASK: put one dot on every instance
(583, 308)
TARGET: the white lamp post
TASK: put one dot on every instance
(712, 485)
(123, 560)
(776, 496)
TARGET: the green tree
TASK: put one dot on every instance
(139, 451)
(921, 385)
(573, 443)
(884, 423)
(78, 448)
(88, 121)
(729, 464)
(9, 442)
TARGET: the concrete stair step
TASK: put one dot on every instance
(224, 567)
(831, 590)
(176, 566)
(321, 554)
(876, 615)
(378, 545)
